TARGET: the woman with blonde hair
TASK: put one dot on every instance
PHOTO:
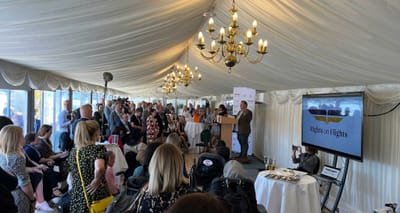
(12, 160)
(92, 163)
(166, 183)
(174, 139)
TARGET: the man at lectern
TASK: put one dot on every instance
(243, 118)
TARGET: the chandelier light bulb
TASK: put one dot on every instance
(254, 29)
(211, 25)
(221, 35)
(249, 36)
(265, 46)
(234, 20)
(260, 45)
(200, 39)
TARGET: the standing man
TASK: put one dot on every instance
(137, 123)
(108, 109)
(243, 118)
(86, 114)
(115, 116)
(100, 117)
(65, 119)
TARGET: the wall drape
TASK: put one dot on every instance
(13, 76)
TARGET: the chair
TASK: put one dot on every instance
(205, 137)
(238, 192)
(208, 167)
(316, 169)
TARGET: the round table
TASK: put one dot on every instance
(279, 196)
(193, 130)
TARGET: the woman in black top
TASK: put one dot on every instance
(8, 183)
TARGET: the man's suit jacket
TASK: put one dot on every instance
(244, 122)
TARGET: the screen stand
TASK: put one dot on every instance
(338, 183)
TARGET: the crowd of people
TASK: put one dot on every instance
(32, 173)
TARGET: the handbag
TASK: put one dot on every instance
(97, 206)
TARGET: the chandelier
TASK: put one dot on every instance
(180, 76)
(228, 47)
(170, 83)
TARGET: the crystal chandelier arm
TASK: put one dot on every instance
(208, 57)
(213, 37)
(246, 51)
(255, 61)
(217, 59)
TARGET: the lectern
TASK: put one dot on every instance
(226, 130)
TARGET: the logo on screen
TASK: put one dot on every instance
(328, 115)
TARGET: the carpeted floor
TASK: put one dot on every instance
(253, 167)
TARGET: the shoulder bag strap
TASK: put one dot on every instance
(80, 175)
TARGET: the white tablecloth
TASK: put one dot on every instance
(193, 131)
(120, 164)
(279, 196)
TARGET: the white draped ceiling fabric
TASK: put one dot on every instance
(313, 44)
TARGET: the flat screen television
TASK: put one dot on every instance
(334, 123)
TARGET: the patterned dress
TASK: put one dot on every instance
(152, 129)
(158, 203)
(87, 156)
(15, 164)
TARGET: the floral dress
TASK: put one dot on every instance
(87, 156)
(152, 129)
(158, 203)
(15, 164)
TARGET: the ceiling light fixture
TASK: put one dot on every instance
(180, 76)
(229, 48)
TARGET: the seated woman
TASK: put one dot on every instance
(45, 148)
(181, 132)
(12, 160)
(8, 182)
(148, 154)
(175, 140)
(30, 142)
(33, 159)
(140, 175)
(166, 183)
(308, 161)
